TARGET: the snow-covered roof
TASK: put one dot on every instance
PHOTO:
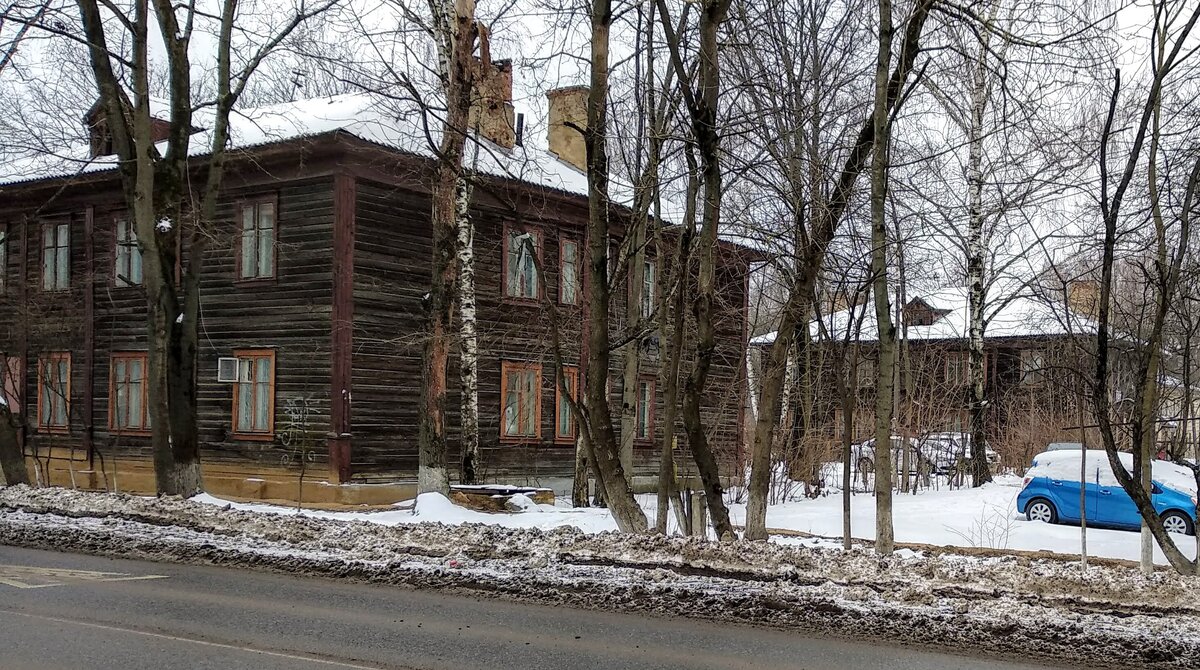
(362, 115)
(1022, 316)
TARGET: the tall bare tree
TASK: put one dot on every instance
(601, 439)
(455, 33)
(1173, 26)
(157, 189)
(702, 107)
(797, 306)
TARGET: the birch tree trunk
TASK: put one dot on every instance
(468, 335)
(885, 379)
(455, 32)
(976, 295)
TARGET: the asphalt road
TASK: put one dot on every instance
(71, 611)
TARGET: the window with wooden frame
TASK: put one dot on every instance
(254, 394)
(957, 368)
(11, 386)
(257, 240)
(644, 431)
(54, 391)
(522, 251)
(864, 373)
(1033, 367)
(521, 399)
(958, 422)
(56, 256)
(128, 406)
(127, 268)
(568, 271)
(649, 284)
(564, 421)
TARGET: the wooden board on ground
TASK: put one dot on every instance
(495, 498)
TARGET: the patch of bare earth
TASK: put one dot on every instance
(1005, 605)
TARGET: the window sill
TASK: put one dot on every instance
(255, 281)
(521, 439)
(52, 430)
(128, 432)
(523, 302)
(253, 437)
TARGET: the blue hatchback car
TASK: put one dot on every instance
(1052, 487)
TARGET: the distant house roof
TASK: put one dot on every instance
(1024, 316)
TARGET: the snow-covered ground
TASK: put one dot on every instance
(985, 517)
(971, 517)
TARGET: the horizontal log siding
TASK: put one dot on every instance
(289, 314)
(392, 257)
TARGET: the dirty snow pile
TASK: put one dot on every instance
(1112, 616)
(980, 518)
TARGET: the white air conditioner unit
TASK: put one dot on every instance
(227, 370)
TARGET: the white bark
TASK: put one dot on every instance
(976, 295)
(468, 336)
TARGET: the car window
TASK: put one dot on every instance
(1105, 475)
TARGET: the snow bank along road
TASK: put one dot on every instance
(1035, 609)
(198, 616)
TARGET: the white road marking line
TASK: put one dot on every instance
(33, 577)
(163, 636)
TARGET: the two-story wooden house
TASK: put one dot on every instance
(1035, 351)
(314, 281)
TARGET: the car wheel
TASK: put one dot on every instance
(1177, 522)
(1040, 509)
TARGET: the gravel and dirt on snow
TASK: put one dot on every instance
(1112, 616)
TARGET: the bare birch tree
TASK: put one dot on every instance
(454, 30)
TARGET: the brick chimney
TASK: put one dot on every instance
(1083, 297)
(491, 104)
(568, 111)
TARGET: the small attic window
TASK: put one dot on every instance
(100, 139)
(918, 313)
